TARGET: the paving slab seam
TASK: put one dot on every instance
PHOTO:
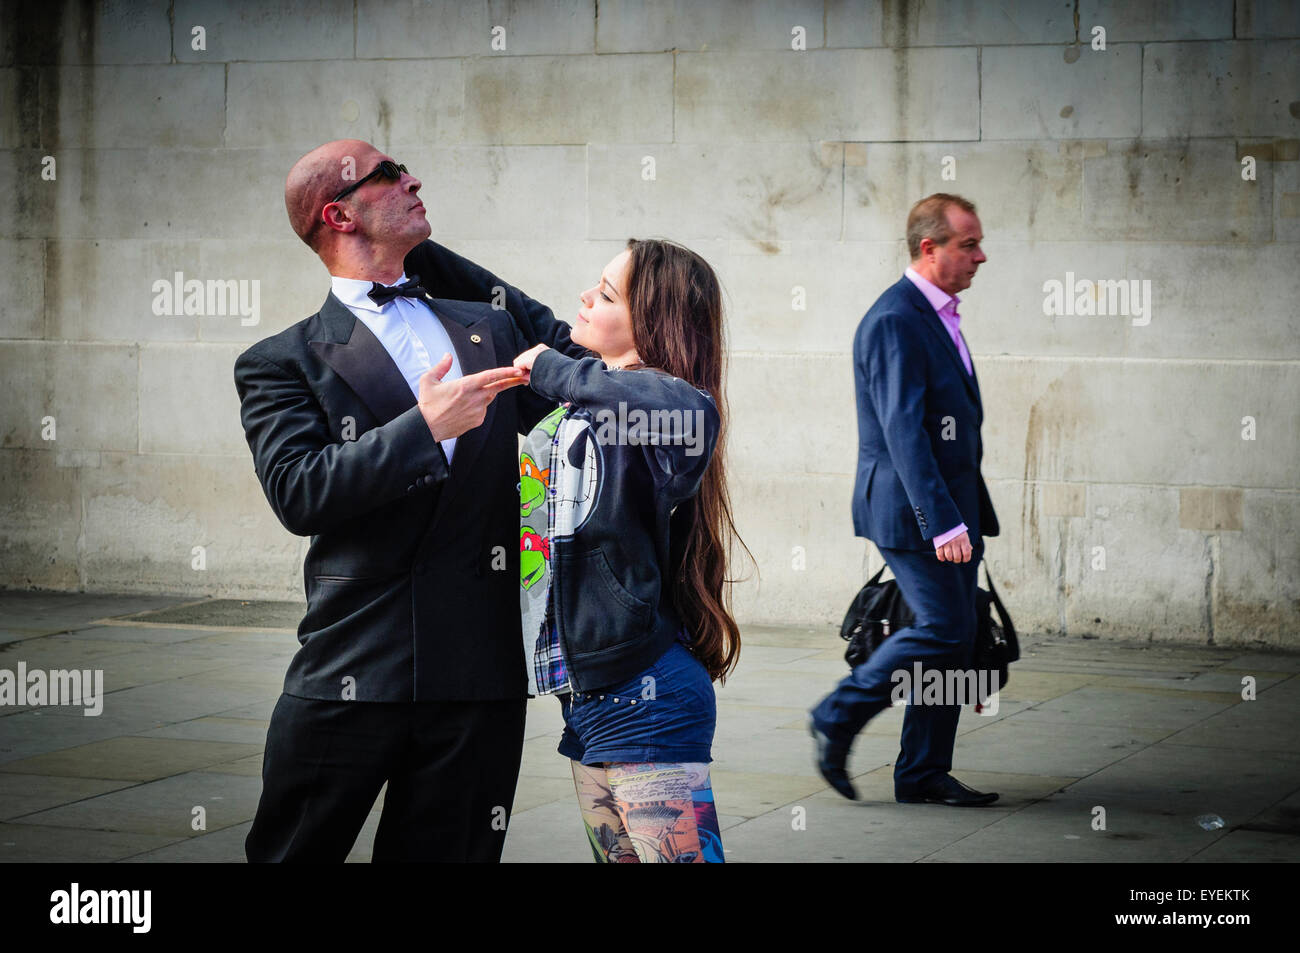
(140, 624)
(127, 787)
(150, 850)
(990, 811)
(1234, 827)
(178, 605)
(161, 777)
(108, 830)
(1140, 750)
(114, 830)
(979, 830)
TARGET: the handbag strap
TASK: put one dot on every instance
(997, 602)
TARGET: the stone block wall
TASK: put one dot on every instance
(1143, 463)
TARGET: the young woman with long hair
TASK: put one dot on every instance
(626, 531)
(631, 613)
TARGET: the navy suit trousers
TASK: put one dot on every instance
(942, 596)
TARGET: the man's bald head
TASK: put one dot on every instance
(319, 176)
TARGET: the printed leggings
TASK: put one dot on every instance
(649, 813)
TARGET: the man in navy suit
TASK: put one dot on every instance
(920, 498)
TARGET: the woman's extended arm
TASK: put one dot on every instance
(446, 274)
(635, 408)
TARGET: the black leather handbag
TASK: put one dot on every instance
(879, 609)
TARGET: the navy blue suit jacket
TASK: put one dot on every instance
(919, 416)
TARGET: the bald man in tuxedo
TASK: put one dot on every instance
(384, 427)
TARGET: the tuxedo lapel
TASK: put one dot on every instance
(931, 319)
(353, 351)
(472, 338)
(359, 358)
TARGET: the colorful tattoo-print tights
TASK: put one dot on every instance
(649, 813)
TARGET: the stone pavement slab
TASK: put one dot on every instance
(165, 807)
(170, 700)
(1267, 724)
(1282, 818)
(1014, 790)
(1262, 663)
(132, 758)
(550, 833)
(534, 791)
(750, 794)
(48, 612)
(542, 760)
(26, 794)
(1118, 707)
(1039, 686)
(147, 634)
(1059, 828)
(30, 733)
(214, 728)
(1234, 784)
(250, 767)
(34, 844)
(225, 846)
(855, 831)
(1023, 745)
(1250, 847)
(260, 710)
(54, 652)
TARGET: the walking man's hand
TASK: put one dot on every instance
(452, 408)
(956, 550)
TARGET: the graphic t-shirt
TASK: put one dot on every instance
(554, 498)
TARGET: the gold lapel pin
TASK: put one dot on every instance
(476, 339)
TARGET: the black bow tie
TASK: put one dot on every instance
(382, 294)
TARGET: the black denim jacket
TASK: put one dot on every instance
(653, 436)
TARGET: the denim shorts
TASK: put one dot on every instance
(666, 713)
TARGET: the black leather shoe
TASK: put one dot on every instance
(946, 790)
(831, 761)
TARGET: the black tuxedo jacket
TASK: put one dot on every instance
(412, 575)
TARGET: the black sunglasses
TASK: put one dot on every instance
(386, 170)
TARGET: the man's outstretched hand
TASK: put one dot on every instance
(956, 550)
(452, 408)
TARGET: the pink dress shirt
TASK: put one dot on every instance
(945, 305)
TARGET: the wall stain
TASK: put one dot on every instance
(43, 41)
(1055, 420)
(383, 123)
(897, 26)
(762, 225)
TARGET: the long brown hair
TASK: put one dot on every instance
(676, 307)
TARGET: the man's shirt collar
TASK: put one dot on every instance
(938, 298)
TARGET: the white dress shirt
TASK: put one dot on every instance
(408, 330)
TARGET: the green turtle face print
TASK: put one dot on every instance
(573, 496)
(559, 481)
(534, 553)
(533, 481)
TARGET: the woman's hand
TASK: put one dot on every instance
(525, 361)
